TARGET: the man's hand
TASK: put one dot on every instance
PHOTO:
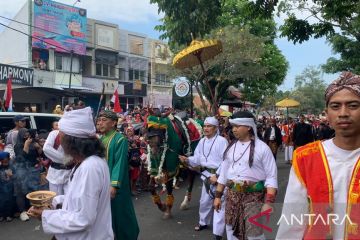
(267, 206)
(217, 204)
(35, 212)
(28, 141)
(213, 179)
(112, 192)
(183, 158)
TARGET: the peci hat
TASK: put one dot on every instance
(109, 114)
(18, 118)
(4, 155)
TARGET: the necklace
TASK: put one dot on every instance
(203, 148)
(235, 161)
(74, 170)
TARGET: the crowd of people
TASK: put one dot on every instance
(237, 157)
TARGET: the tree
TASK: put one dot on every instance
(258, 76)
(187, 19)
(309, 90)
(336, 20)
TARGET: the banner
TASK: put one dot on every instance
(59, 26)
(19, 75)
(137, 85)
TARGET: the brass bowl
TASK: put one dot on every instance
(41, 198)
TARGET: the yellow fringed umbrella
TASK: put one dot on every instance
(286, 103)
(196, 54)
(224, 113)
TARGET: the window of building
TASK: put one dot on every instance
(58, 63)
(161, 79)
(98, 69)
(105, 70)
(135, 74)
(63, 63)
(136, 45)
(122, 74)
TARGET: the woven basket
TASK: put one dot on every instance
(41, 198)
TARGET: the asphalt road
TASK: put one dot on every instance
(152, 226)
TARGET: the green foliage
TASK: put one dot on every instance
(250, 59)
(336, 20)
(309, 91)
(185, 17)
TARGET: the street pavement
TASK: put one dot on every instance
(152, 226)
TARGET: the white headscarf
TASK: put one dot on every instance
(212, 121)
(245, 122)
(78, 123)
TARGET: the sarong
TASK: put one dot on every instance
(239, 208)
(273, 146)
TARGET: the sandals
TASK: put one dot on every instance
(200, 227)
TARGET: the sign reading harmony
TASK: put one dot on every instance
(182, 87)
(20, 76)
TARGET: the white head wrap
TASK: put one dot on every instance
(212, 121)
(244, 122)
(78, 123)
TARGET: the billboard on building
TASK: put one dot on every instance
(19, 75)
(59, 26)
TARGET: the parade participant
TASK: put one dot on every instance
(11, 137)
(209, 156)
(288, 129)
(7, 175)
(273, 137)
(302, 133)
(85, 211)
(124, 220)
(249, 170)
(57, 110)
(325, 174)
(58, 172)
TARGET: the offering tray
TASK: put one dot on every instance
(41, 199)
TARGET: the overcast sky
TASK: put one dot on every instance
(141, 16)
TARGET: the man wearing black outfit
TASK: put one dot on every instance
(273, 137)
(302, 133)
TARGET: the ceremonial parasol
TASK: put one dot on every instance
(196, 54)
(224, 113)
(287, 103)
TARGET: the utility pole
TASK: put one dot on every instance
(71, 63)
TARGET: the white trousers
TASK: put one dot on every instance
(230, 236)
(207, 213)
(60, 189)
(288, 153)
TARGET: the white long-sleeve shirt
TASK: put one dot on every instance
(341, 164)
(86, 212)
(55, 176)
(236, 168)
(209, 152)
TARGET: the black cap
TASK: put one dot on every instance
(19, 118)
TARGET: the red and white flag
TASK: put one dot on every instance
(8, 101)
(115, 100)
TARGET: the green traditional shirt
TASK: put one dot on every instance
(124, 220)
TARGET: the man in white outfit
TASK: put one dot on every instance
(325, 175)
(209, 156)
(249, 171)
(85, 213)
(59, 171)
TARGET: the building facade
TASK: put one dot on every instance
(81, 61)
